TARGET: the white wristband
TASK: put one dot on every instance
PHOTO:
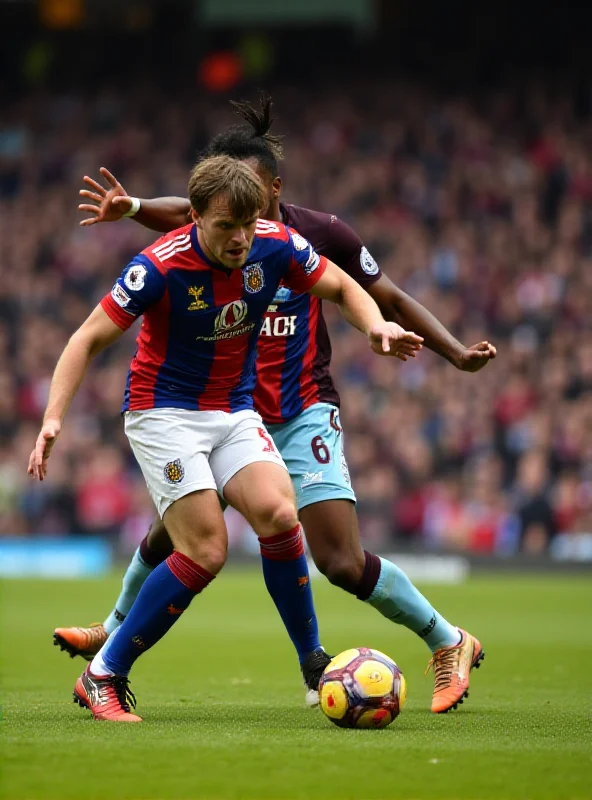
(134, 208)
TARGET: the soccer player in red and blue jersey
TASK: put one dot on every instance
(188, 409)
(298, 401)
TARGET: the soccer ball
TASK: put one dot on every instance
(362, 688)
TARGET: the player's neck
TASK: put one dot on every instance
(273, 213)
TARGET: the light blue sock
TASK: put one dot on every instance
(397, 599)
(134, 577)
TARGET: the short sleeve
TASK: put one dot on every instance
(347, 250)
(139, 286)
(306, 265)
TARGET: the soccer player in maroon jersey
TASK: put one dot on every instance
(295, 394)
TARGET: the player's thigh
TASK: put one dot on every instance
(172, 447)
(332, 533)
(253, 478)
(311, 445)
(197, 529)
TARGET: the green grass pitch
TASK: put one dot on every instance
(223, 704)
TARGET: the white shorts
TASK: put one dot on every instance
(181, 451)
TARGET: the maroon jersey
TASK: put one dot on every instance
(294, 351)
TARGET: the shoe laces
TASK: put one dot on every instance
(118, 688)
(313, 667)
(444, 662)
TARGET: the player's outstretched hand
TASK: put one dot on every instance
(390, 339)
(45, 441)
(476, 357)
(108, 205)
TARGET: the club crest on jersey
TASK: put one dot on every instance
(253, 278)
(299, 241)
(367, 263)
(174, 471)
(135, 277)
(197, 304)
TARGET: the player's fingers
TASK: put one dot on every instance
(109, 176)
(91, 195)
(412, 337)
(386, 343)
(95, 186)
(31, 464)
(84, 223)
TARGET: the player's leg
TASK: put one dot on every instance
(312, 446)
(184, 492)
(249, 459)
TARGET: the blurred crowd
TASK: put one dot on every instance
(480, 207)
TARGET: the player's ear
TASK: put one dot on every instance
(196, 217)
(276, 187)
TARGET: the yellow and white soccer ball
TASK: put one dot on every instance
(362, 688)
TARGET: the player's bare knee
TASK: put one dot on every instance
(276, 517)
(341, 570)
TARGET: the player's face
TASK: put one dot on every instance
(224, 238)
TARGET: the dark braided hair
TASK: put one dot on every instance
(252, 140)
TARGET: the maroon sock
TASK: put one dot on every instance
(369, 577)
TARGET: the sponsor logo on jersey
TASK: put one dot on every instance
(311, 477)
(197, 304)
(280, 326)
(253, 278)
(120, 296)
(299, 241)
(174, 471)
(230, 322)
(135, 277)
(367, 263)
(313, 262)
(282, 295)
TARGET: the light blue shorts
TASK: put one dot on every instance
(311, 445)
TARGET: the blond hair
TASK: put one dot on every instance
(225, 175)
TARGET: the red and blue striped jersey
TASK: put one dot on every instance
(197, 344)
(294, 350)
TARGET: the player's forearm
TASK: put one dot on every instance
(68, 375)
(412, 316)
(358, 308)
(163, 213)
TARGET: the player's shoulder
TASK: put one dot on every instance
(303, 218)
(268, 230)
(166, 251)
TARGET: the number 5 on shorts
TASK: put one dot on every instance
(269, 446)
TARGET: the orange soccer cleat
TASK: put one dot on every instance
(452, 666)
(108, 697)
(85, 642)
